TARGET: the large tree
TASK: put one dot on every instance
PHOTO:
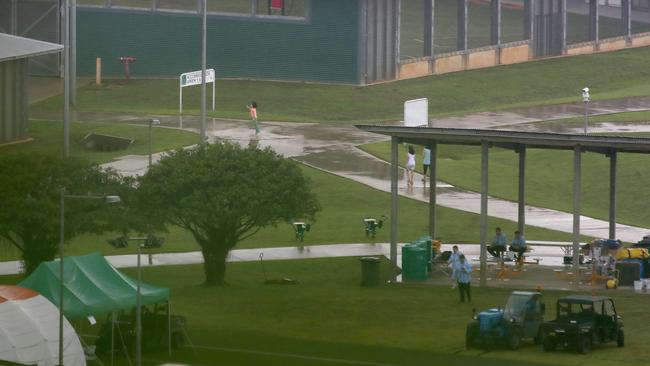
(30, 191)
(223, 193)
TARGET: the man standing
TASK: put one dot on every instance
(518, 246)
(426, 162)
(462, 273)
(498, 244)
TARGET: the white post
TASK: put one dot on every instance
(213, 90)
(138, 316)
(180, 95)
(203, 71)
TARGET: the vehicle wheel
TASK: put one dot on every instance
(548, 344)
(514, 338)
(584, 345)
(620, 338)
(470, 334)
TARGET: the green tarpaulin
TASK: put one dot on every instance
(92, 286)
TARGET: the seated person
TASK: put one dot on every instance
(518, 246)
(498, 244)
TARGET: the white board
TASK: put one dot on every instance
(195, 78)
(416, 112)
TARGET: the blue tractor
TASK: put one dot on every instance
(521, 318)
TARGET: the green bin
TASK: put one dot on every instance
(370, 275)
(414, 263)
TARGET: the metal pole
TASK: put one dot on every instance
(61, 242)
(150, 127)
(432, 190)
(612, 194)
(112, 338)
(521, 216)
(461, 26)
(495, 22)
(138, 320)
(428, 27)
(66, 79)
(586, 115)
(577, 155)
(203, 67)
(393, 202)
(73, 53)
(484, 210)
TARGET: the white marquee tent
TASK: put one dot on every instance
(29, 330)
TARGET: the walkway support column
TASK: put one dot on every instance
(577, 171)
(461, 33)
(521, 216)
(495, 22)
(484, 210)
(612, 194)
(433, 147)
(393, 202)
(428, 27)
(593, 20)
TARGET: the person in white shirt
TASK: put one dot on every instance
(462, 273)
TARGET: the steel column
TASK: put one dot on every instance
(461, 33)
(612, 194)
(521, 214)
(484, 210)
(529, 16)
(13, 27)
(495, 22)
(577, 175)
(563, 25)
(428, 27)
(73, 52)
(204, 37)
(66, 78)
(626, 18)
(393, 202)
(433, 147)
(593, 20)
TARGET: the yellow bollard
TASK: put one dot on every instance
(98, 71)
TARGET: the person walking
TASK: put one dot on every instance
(454, 257)
(462, 273)
(252, 108)
(410, 166)
(518, 246)
(498, 244)
(426, 163)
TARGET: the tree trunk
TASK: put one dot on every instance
(215, 265)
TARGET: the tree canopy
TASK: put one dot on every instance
(223, 193)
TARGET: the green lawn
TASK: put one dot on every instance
(48, 139)
(549, 176)
(329, 316)
(542, 82)
(626, 117)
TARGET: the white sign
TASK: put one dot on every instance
(416, 112)
(194, 78)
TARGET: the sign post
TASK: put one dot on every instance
(194, 78)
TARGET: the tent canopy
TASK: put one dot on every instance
(92, 286)
(29, 330)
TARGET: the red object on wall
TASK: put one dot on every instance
(277, 4)
(126, 60)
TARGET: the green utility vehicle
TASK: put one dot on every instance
(521, 318)
(583, 321)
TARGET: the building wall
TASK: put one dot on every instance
(13, 100)
(323, 47)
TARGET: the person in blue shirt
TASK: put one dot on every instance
(426, 162)
(455, 254)
(499, 244)
(518, 246)
(462, 273)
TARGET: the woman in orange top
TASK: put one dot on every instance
(253, 110)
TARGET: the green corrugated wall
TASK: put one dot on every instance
(13, 100)
(323, 49)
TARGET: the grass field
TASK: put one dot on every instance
(534, 83)
(549, 176)
(626, 117)
(328, 319)
(48, 139)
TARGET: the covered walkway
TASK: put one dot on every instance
(519, 142)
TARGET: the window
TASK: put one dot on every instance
(291, 8)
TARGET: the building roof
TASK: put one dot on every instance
(512, 139)
(14, 47)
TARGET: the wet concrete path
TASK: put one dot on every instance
(332, 148)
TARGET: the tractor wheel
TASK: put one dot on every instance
(548, 344)
(514, 338)
(470, 334)
(620, 338)
(584, 344)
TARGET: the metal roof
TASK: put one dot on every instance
(583, 298)
(14, 47)
(512, 139)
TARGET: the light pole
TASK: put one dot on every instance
(152, 122)
(585, 100)
(107, 199)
